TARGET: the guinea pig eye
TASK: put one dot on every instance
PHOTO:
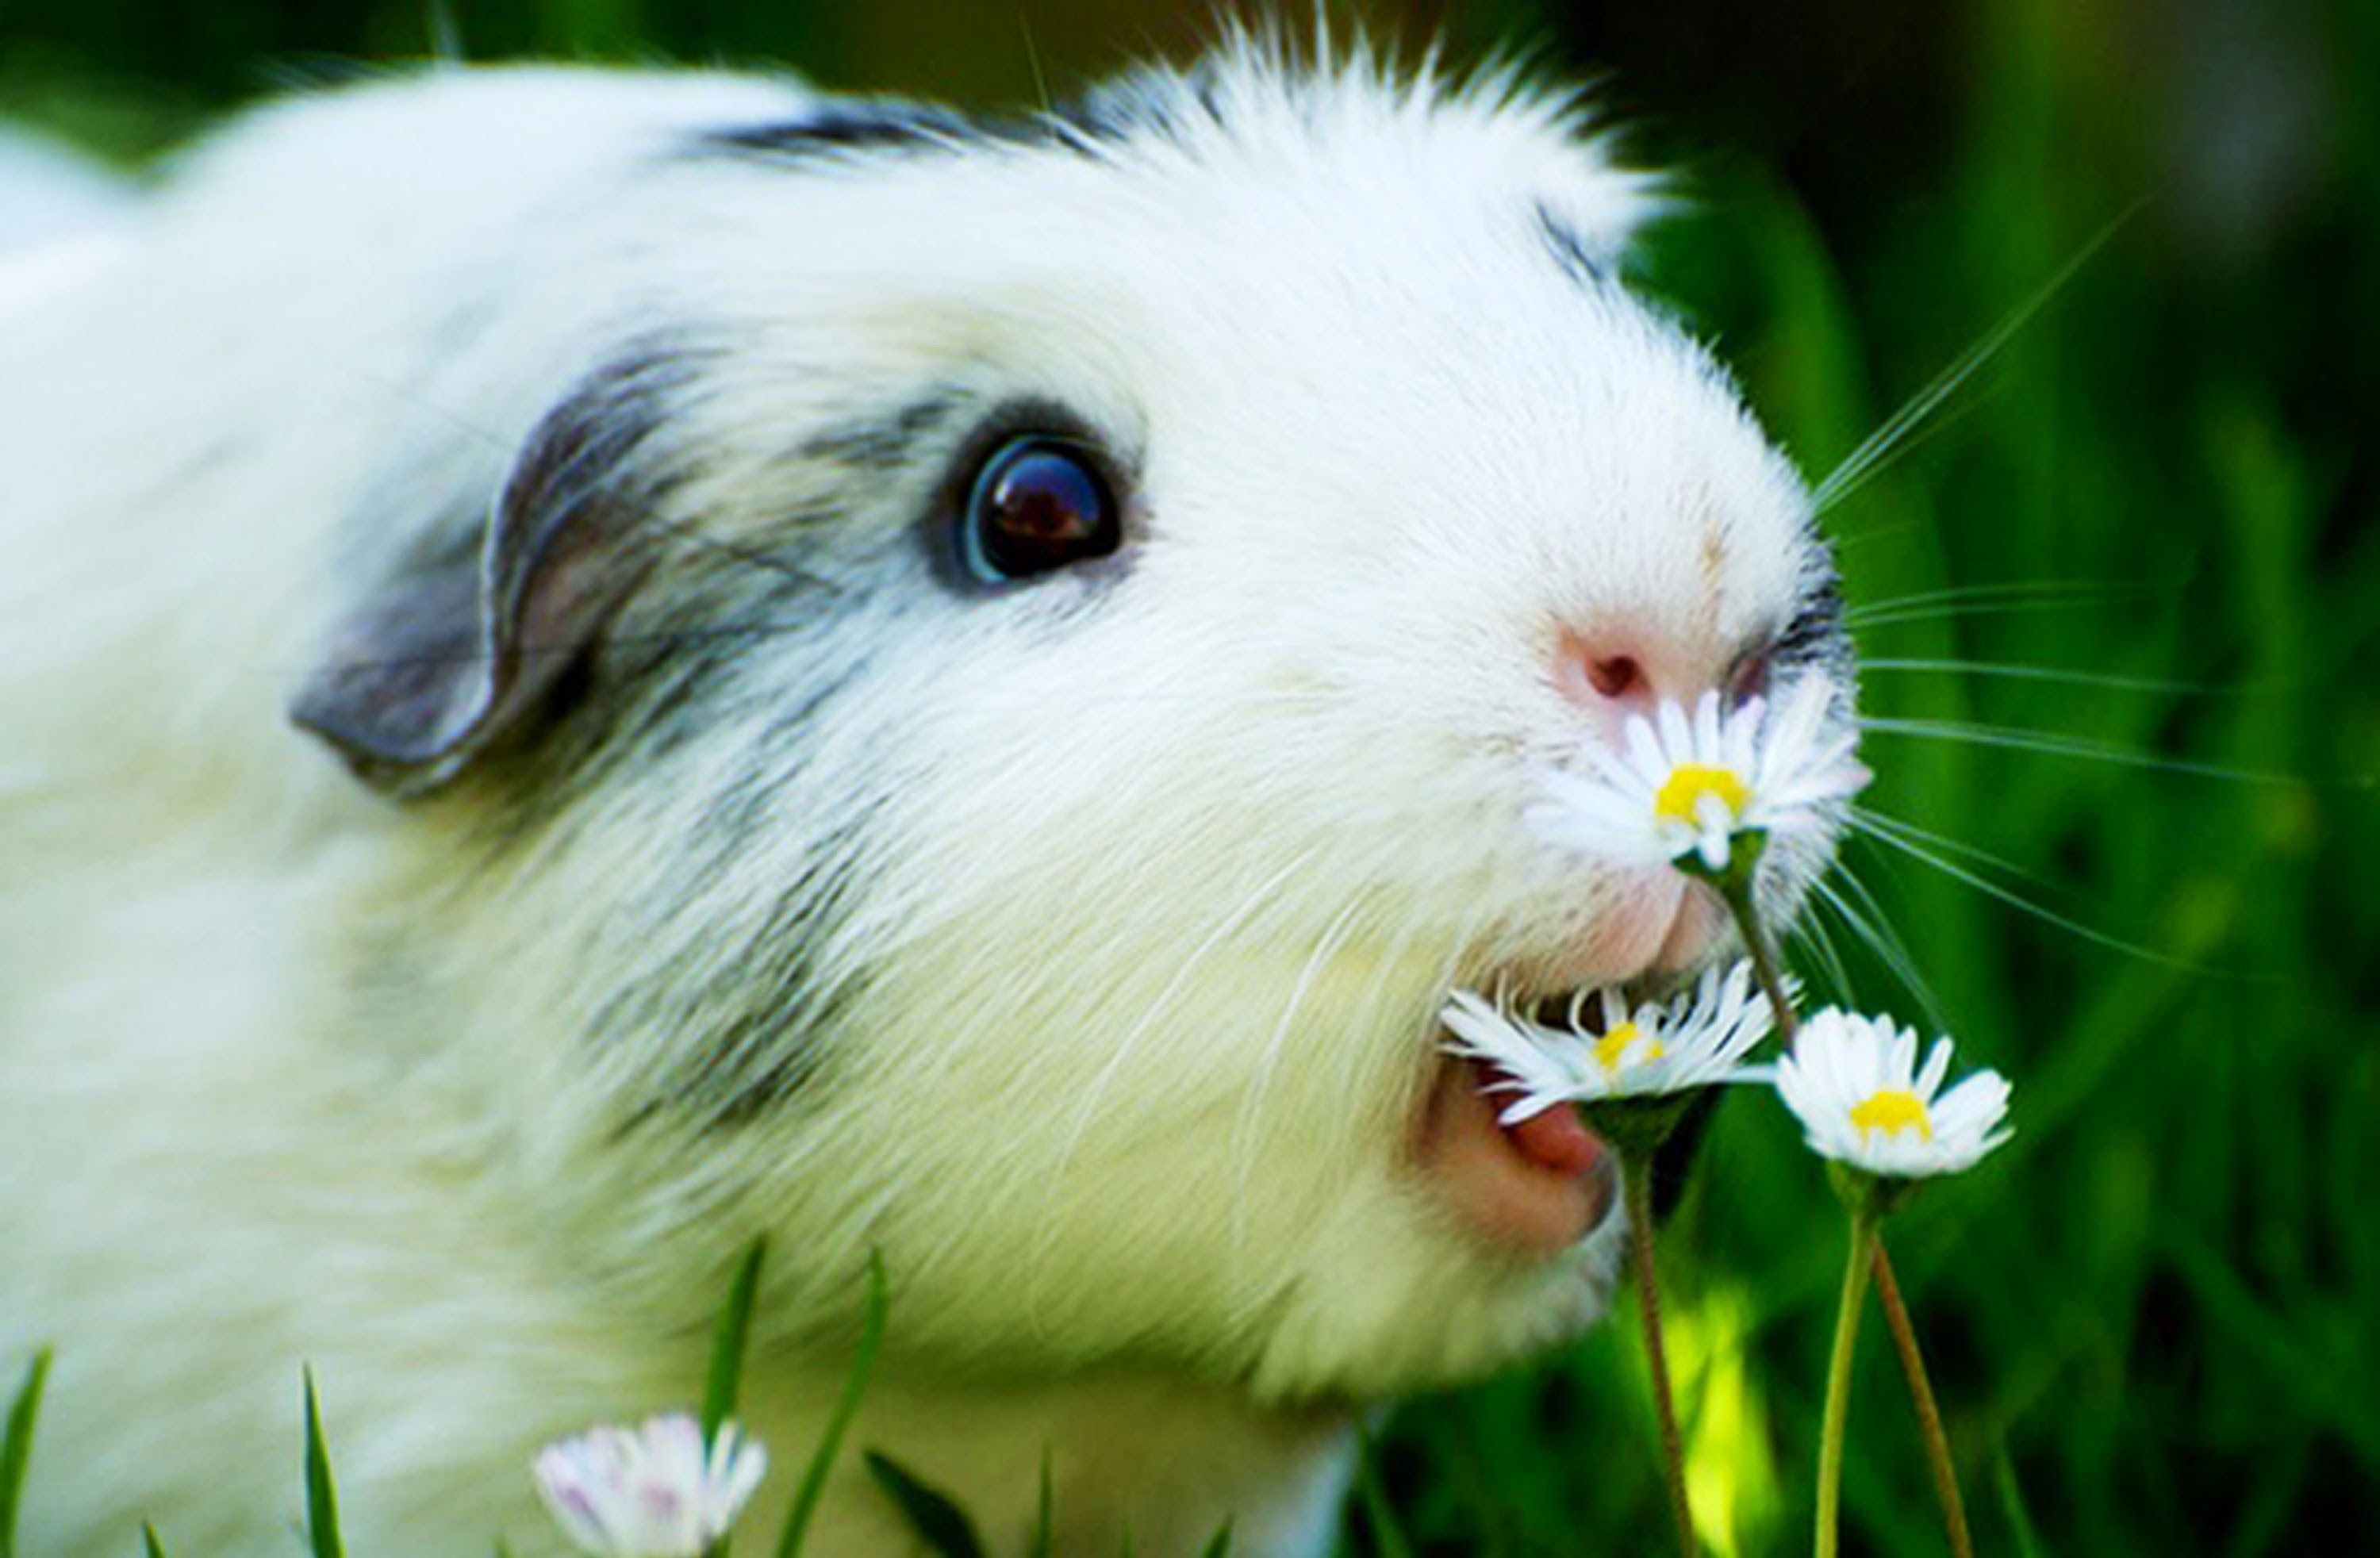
(1037, 506)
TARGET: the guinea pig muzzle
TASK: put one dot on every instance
(1541, 1185)
(1537, 1187)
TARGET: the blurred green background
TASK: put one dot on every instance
(2154, 1316)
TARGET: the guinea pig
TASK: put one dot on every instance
(596, 666)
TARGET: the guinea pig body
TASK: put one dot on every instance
(527, 769)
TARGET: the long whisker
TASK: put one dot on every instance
(1956, 848)
(2056, 674)
(1866, 827)
(1094, 1096)
(1243, 1129)
(1890, 440)
(1868, 920)
(1990, 600)
(1810, 931)
(2059, 744)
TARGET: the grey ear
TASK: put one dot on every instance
(434, 666)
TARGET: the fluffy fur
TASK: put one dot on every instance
(669, 848)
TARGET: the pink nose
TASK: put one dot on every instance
(1610, 679)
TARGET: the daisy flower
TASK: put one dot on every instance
(1692, 1040)
(655, 1492)
(1855, 1085)
(1686, 788)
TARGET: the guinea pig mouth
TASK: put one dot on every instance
(1536, 1187)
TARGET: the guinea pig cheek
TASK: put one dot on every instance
(1535, 1188)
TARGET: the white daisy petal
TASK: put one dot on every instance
(1696, 1039)
(1681, 785)
(1854, 1083)
(655, 1492)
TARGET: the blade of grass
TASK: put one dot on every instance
(17, 1447)
(863, 1360)
(939, 1523)
(1220, 1544)
(2013, 1506)
(321, 1498)
(727, 1346)
(1044, 1528)
(149, 1543)
(1388, 1537)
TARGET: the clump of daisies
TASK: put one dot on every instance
(1702, 793)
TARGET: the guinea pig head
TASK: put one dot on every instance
(1062, 668)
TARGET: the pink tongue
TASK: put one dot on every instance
(1555, 1139)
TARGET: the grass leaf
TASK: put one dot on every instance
(721, 1391)
(725, 1383)
(941, 1524)
(863, 1360)
(1388, 1538)
(321, 1498)
(1220, 1544)
(149, 1543)
(1044, 1522)
(2019, 1519)
(17, 1447)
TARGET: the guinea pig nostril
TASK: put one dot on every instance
(1616, 675)
(1748, 680)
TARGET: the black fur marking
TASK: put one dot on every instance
(848, 129)
(1102, 118)
(1569, 252)
(1815, 633)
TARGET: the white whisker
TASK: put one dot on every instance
(1868, 920)
(1242, 1148)
(2056, 675)
(1888, 442)
(2046, 743)
(1866, 829)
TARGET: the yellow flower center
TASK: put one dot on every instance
(1612, 1046)
(1680, 795)
(1894, 1109)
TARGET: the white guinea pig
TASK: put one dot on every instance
(594, 665)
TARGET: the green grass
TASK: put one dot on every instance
(2155, 1318)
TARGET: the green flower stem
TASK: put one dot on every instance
(1735, 891)
(1921, 1395)
(1636, 1180)
(1732, 883)
(1838, 1384)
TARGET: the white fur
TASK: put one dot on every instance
(1162, 889)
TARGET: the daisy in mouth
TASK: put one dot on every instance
(1687, 786)
(1693, 1040)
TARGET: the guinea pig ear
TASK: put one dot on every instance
(459, 648)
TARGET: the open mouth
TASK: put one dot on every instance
(1537, 1186)
(1541, 1185)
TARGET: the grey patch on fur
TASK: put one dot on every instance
(883, 442)
(756, 1035)
(1568, 250)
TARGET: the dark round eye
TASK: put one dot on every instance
(1037, 506)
